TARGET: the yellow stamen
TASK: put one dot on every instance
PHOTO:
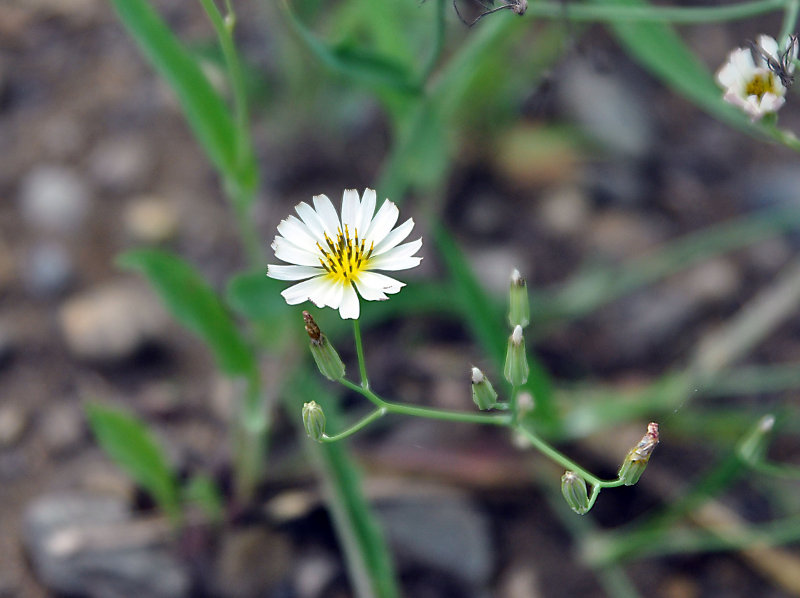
(345, 259)
(760, 84)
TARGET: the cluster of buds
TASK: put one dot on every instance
(326, 357)
(636, 460)
(516, 366)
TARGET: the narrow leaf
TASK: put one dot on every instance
(207, 114)
(195, 305)
(129, 443)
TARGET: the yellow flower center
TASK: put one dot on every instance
(760, 84)
(345, 258)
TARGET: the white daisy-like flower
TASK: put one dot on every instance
(758, 86)
(338, 256)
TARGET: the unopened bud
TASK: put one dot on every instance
(516, 368)
(314, 420)
(636, 460)
(326, 357)
(573, 487)
(754, 446)
(482, 392)
(518, 306)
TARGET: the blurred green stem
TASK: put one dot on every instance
(241, 192)
(438, 43)
(665, 14)
(789, 20)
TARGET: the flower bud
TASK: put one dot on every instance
(326, 357)
(314, 421)
(636, 460)
(518, 306)
(573, 487)
(754, 446)
(516, 368)
(482, 392)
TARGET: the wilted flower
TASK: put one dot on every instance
(759, 86)
(338, 255)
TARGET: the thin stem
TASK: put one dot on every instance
(789, 20)
(564, 461)
(665, 14)
(366, 392)
(453, 416)
(362, 366)
(438, 43)
(362, 423)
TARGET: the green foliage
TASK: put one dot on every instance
(126, 439)
(195, 305)
(202, 491)
(205, 111)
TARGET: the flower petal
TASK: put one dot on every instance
(382, 223)
(289, 252)
(312, 220)
(350, 210)
(349, 308)
(378, 282)
(298, 232)
(366, 212)
(281, 272)
(308, 290)
(327, 214)
(394, 237)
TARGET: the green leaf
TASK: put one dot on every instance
(204, 492)
(195, 305)
(659, 49)
(207, 114)
(360, 64)
(129, 443)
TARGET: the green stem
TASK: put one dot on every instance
(239, 191)
(789, 20)
(438, 43)
(362, 423)
(427, 412)
(362, 366)
(665, 14)
(566, 462)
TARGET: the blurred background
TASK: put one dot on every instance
(553, 152)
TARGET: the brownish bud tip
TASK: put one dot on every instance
(312, 329)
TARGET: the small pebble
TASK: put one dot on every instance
(111, 322)
(13, 422)
(54, 199)
(62, 427)
(48, 270)
(150, 220)
(564, 211)
(120, 163)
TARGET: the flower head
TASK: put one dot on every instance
(759, 86)
(338, 255)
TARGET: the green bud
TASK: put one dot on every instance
(636, 460)
(482, 392)
(516, 368)
(326, 357)
(573, 487)
(314, 421)
(754, 446)
(518, 306)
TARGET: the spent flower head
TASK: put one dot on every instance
(336, 255)
(759, 86)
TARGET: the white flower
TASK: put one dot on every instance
(757, 86)
(337, 254)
